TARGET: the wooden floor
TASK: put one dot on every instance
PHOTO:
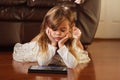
(106, 59)
(105, 65)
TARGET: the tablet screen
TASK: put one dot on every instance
(47, 69)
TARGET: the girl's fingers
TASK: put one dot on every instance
(49, 35)
(47, 31)
(68, 36)
(76, 32)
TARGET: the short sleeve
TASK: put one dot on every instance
(26, 52)
(82, 55)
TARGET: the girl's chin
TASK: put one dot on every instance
(57, 40)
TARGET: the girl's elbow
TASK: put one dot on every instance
(72, 65)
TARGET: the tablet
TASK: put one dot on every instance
(47, 69)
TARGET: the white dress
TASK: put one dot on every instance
(30, 52)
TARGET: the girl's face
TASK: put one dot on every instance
(61, 31)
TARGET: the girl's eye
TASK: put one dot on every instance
(63, 30)
(54, 29)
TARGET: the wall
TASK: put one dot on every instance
(109, 25)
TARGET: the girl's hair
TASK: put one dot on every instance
(54, 17)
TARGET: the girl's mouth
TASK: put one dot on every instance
(57, 38)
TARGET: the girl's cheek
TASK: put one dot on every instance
(51, 31)
(52, 34)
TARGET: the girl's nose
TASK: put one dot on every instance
(57, 32)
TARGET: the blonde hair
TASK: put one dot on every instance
(53, 19)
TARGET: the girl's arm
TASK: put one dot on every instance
(80, 52)
(76, 35)
(68, 58)
(79, 44)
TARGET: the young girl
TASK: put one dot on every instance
(58, 42)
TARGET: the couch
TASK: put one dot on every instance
(20, 20)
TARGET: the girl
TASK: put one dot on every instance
(58, 42)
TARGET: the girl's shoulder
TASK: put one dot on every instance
(26, 45)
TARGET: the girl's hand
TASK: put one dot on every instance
(63, 40)
(53, 42)
(76, 33)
